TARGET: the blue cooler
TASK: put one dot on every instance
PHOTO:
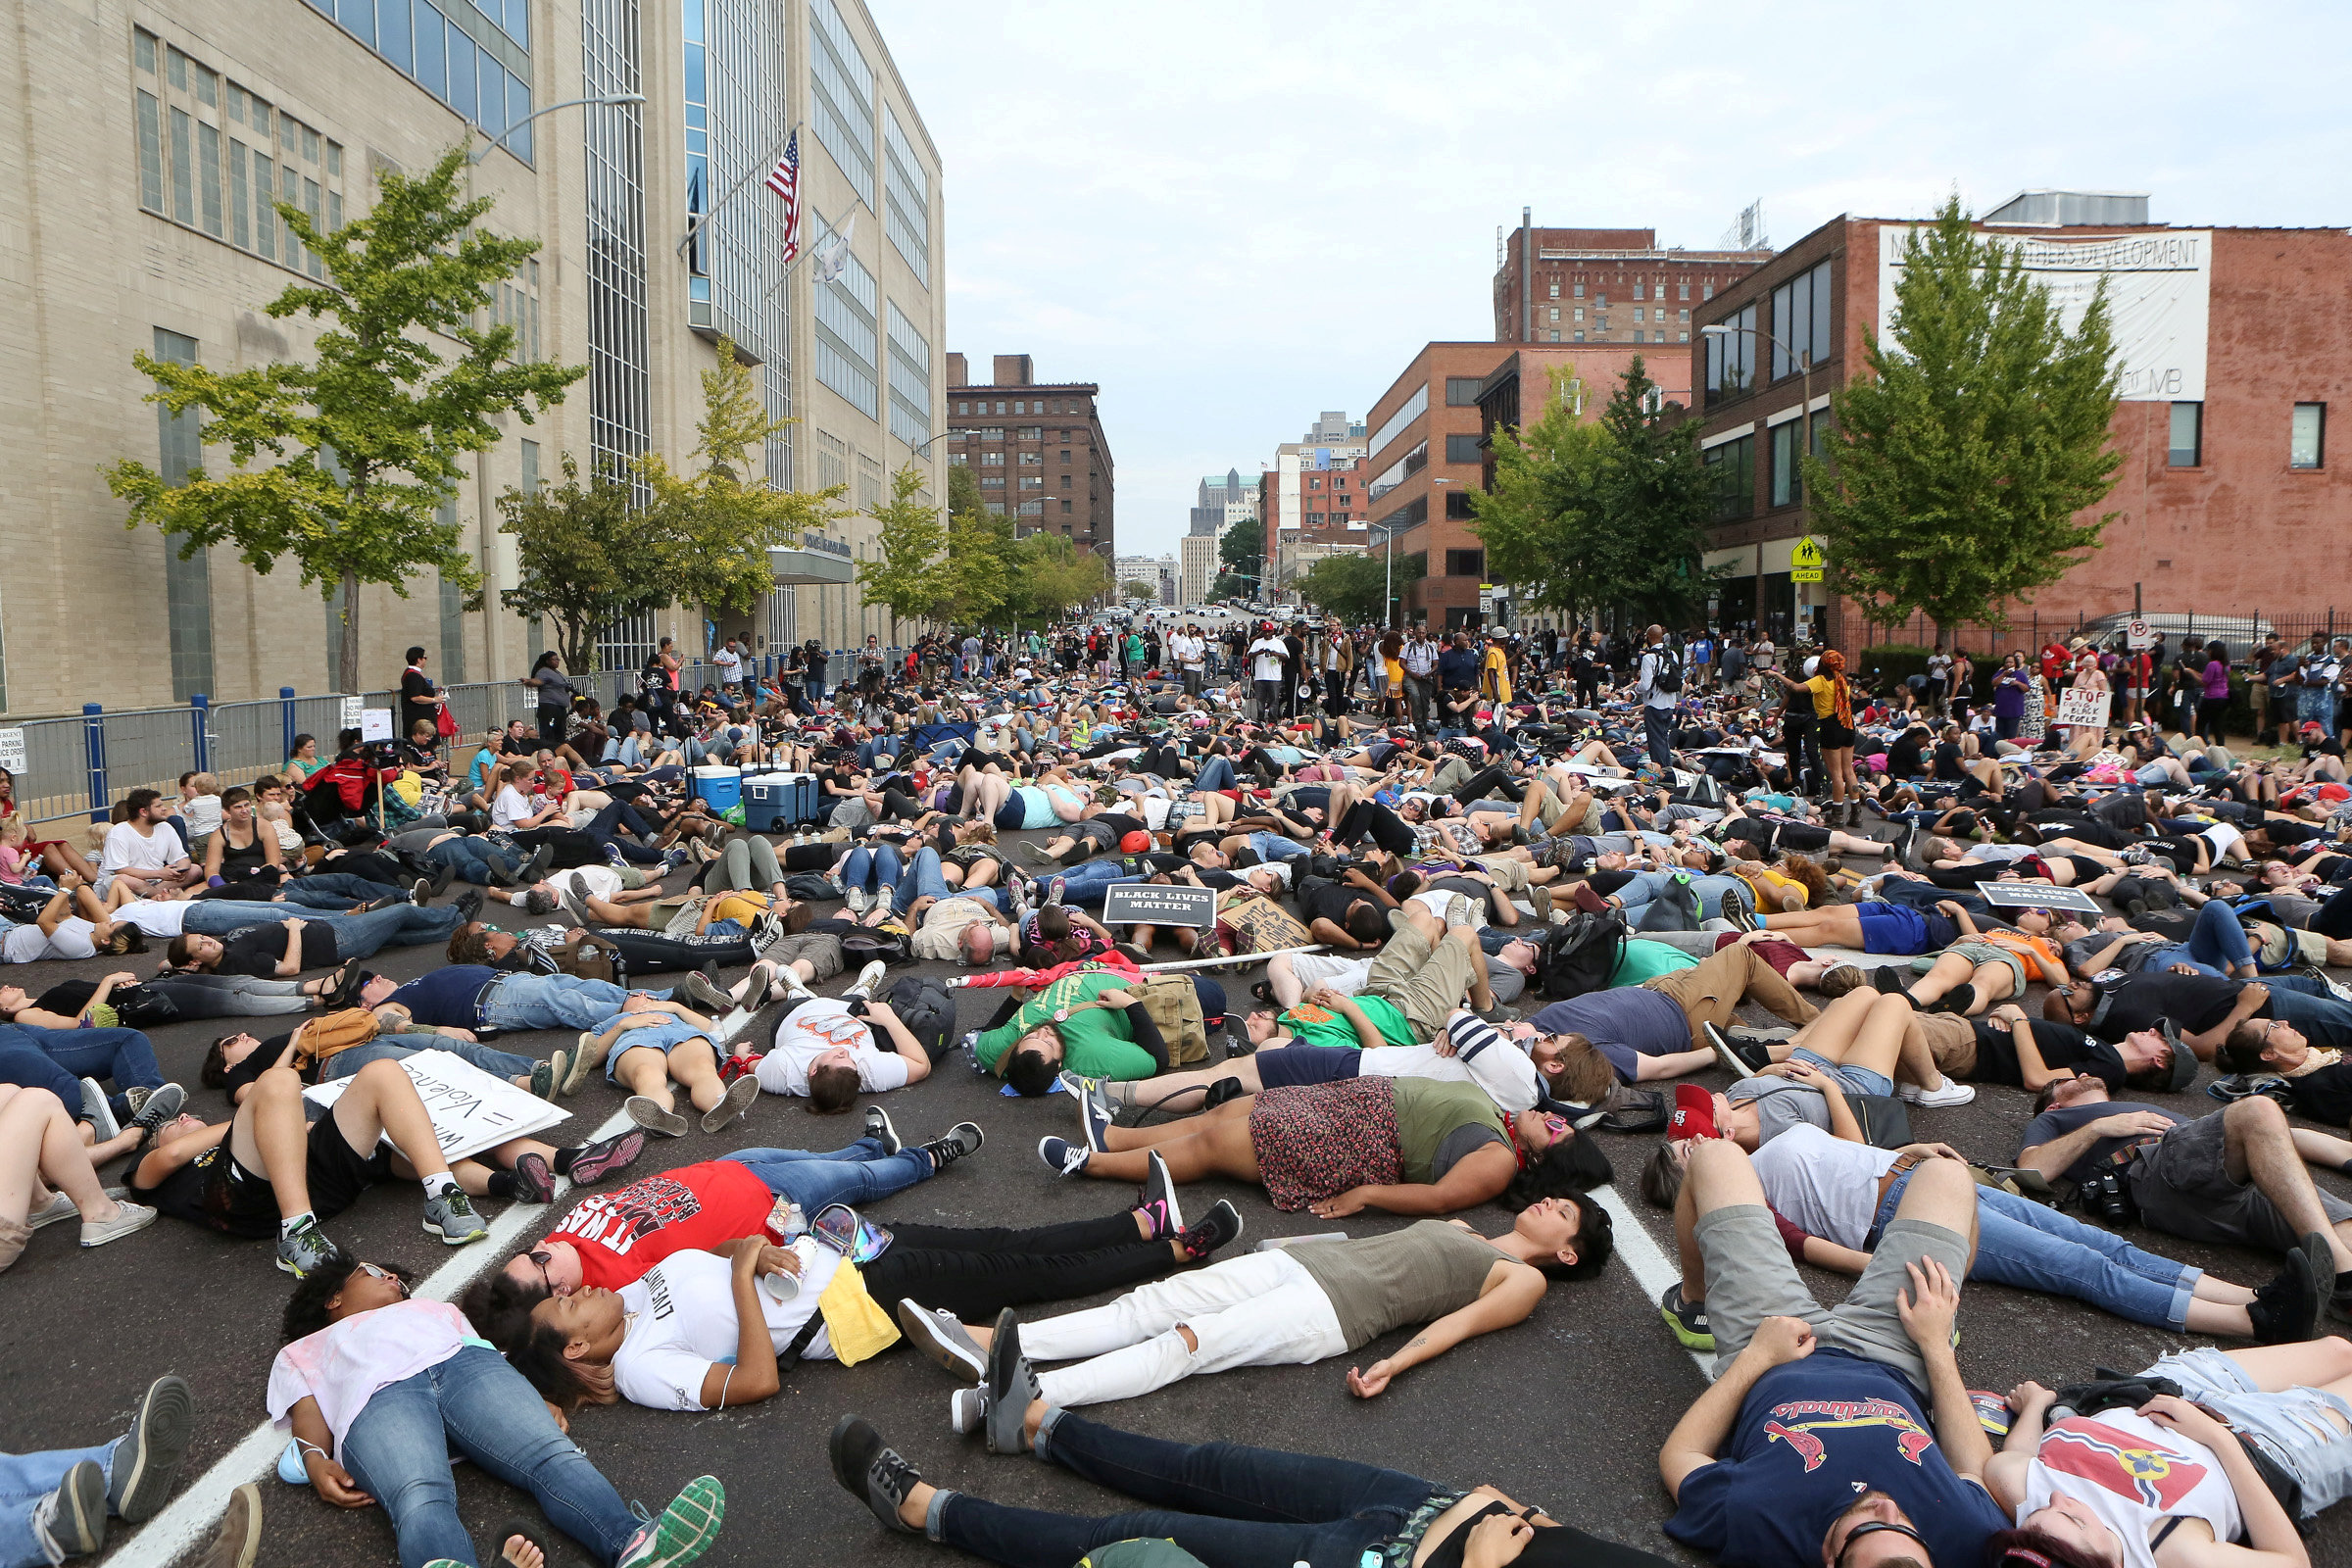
(720, 788)
(776, 802)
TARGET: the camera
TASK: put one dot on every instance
(2109, 1194)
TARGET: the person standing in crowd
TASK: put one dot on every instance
(420, 697)
(1658, 687)
(1266, 659)
(553, 691)
(1419, 657)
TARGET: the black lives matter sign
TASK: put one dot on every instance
(1158, 904)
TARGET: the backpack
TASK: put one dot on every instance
(868, 943)
(1174, 1006)
(1669, 675)
(924, 1007)
(1581, 956)
(1677, 909)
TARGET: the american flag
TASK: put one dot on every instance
(785, 180)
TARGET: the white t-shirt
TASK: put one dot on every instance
(729, 664)
(24, 944)
(1186, 650)
(509, 807)
(128, 848)
(1823, 1184)
(816, 1027)
(202, 815)
(601, 881)
(156, 917)
(1270, 653)
(2112, 1461)
(683, 1322)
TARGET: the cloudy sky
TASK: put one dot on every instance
(1235, 215)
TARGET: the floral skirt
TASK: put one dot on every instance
(1317, 1141)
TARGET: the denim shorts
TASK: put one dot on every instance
(664, 1037)
(1854, 1080)
(2293, 1423)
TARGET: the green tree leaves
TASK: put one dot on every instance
(1356, 587)
(343, 463)
(587, 557)
(1953, 474)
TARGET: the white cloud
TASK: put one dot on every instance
(1234, 215)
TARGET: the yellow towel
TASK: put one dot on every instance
(857, 1327)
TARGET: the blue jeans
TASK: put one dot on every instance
(638, 851)
(337, 891)
(1658, 727)
(923, 880)
(58, 1059)
(357, 936)
(624, 750)
(1274, 847)
(398, 1451)
(25, 1480)
(520, 1001)
(858, 1174)
(500, 1064)
(471, 858)
(1089, 882)
(2216, 944)
(2295, 1421)
(1227, 1504)
(2034, 1248)
(864, 867)
(2304, 1002)
(1216, 773)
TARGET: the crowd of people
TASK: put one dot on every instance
(1474, 910)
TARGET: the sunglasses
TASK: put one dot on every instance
(1870, 1527)
(376, 1272)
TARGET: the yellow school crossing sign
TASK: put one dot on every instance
(1804, 562)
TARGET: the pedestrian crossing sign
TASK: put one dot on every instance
(1804, 562)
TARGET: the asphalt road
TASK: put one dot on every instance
(1567, 1411)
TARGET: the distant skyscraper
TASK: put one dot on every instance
(1224, 500)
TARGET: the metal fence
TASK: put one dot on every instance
(2028, 632)
(77, 765)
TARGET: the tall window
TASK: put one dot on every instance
(619, 390)
(847, 341)
(1800, 320)
(2306, 446)
(1732, 356)
(1734, 468)
(2186, 448)
(215, 158)
(627, 643)
(841, 103)
(1787, 479)
(910, 382)
(188, 584)
(908, 192)
(475, 58)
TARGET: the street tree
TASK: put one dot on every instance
(1357, 587)
(717, 527)
(1542, 520)
(343, 463)
(1955, 472)
(1057, 576)
(1655, 501)
(912, 578)
(1137, 588)
(586, 558)
(1242, 558)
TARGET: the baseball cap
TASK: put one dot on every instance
(2184, 1061)
(1694, 1113)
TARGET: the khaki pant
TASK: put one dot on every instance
(1711, 992)
(1427, 980)
(1951, 1040)
(1508, 871)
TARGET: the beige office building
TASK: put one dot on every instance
(145, 143)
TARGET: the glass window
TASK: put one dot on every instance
(310, 145)
(1734, 472)
(1637, 291)
(1465, 564)
(1463, 449)
(1579, 291)
(264, 215)
(493, 108)
(1800, 320)
(260, 116)
(2186, 450)
(142, 51)
(1682, 292)
(184, 173)
(334, 160)
(1018, 407)
(150, 153)
(176, 68)
(1787, 484)
(207, 177)
(460, 72)
(334, 211)
(1731, 355)
(907, 192)
(240, 228)
(392, 36)
(318, 218)
(289, 194)
(1462, 391)
(208, 88)
(188, 584)
(2307, 437)
(1707, 292)
(432, 40)
(841, 109)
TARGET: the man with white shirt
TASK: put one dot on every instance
(1190, 651)
(1269, 655)
(1420, 660)
(829, 1055)
(142, 850)
(729, 664)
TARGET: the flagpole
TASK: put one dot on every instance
(702, 219)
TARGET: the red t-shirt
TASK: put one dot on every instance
(621, 1234)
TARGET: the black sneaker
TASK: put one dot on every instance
(1958, 1000)
(2286, 1311)
(1157, 1201)
(959, 1140)
(604, 1157)
(1687, 1320)
(534, 1183)
(155, 1107)
(2322, 1259)
(71, 1522)
(1736, 1060)
(879, 1128)
(146, 1461)
(1221, 1226)
(468, 905)
(1741, 917)
(1010, 1388)
(872, 1471)
(1221, 1091)
(1889, 980)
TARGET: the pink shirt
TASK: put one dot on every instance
(343, 1365)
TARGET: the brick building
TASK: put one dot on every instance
(2234, 342)
(1312, 499)
(1038, 450)
(1605, 285)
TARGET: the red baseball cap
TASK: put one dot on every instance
(1694, 1113)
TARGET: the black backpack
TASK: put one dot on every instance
(1581, 956)
(1668, 674)
(928, 1010)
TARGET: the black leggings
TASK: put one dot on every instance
(976, 1273)
(1491, 784)
(1389, 830)
(650, 953)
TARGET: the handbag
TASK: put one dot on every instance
(444, 725)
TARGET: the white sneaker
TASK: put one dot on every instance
(867, 978)
(857, 901)
(1950, 1092)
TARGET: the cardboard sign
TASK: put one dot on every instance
(376, 724)
(2086, 708)
(472, 1109)
(1159, 903)
(11, 750)
(2034, 895)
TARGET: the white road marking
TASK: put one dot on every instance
(188, 1522)
(1652, 1269)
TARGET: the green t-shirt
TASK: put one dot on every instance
(1097, 1043)
(1646, 961)
(1319, 1026)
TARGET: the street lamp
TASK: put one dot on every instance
(1805, 417)
(499, 140)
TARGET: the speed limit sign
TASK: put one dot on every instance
(2136, 635)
